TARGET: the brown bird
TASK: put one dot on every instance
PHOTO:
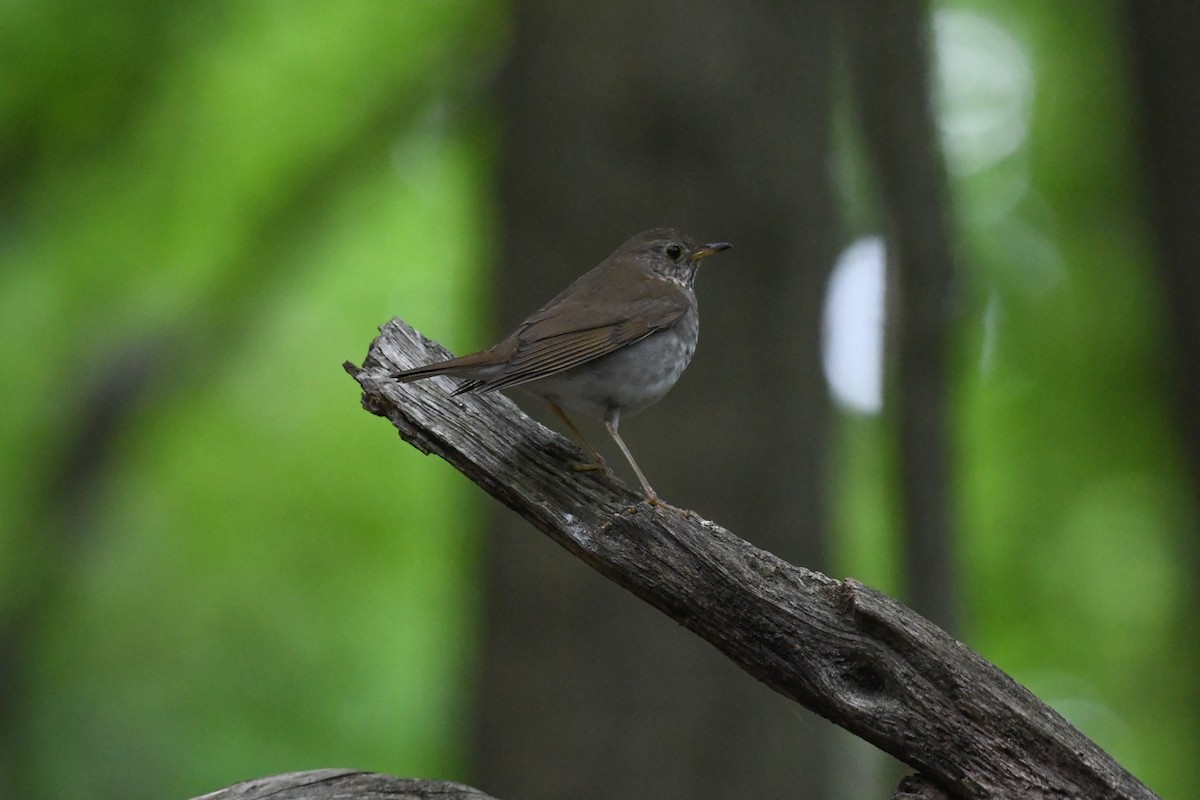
(611, 344)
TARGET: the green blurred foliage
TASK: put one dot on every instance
(1075, 506)
(212, 205)
(208, 206)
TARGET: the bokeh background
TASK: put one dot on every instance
(953, 355)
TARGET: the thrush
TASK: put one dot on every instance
(609, 345)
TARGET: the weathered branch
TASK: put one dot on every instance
(351, 784)
(342, 784)
(840, 648)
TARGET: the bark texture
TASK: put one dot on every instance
(841, 649)
(343, 784)
(349, 784)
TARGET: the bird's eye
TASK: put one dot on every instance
(674, 251)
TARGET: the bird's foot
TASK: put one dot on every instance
(591, 466)
(651, 500)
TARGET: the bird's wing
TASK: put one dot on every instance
(557, 338)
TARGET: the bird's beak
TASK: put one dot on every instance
(704, 251)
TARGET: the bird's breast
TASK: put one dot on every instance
(629, 379)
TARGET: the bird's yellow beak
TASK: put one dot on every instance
(704, 251)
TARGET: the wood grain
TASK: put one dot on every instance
(851, 654)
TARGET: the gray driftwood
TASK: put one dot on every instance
(847, 652)
(351, 784)
(344, 784)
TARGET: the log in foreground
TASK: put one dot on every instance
(851, 654)
(353, 784)
(341, 784)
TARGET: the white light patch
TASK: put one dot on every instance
(853, 327)
(985, 87)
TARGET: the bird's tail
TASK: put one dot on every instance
(470, 367)
(427, 371)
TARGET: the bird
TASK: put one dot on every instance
(606, 347)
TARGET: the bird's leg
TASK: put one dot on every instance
(597, 462)
(611, 422)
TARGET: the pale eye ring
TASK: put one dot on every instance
(674, 251)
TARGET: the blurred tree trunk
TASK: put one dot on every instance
(714, 120)
(889, 58)
(1165, 51)
(1165, 43)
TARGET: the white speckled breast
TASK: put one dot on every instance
(630, 379)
